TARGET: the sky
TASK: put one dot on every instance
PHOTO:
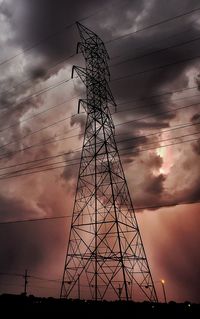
(155, 79)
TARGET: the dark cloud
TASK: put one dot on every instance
(196, 147)
(195, 118)
(79, 120)
(168, 78)
(70, 172)
(156, 162)
(37, 73)
(51, 18)
(44, 18)
(155, 184)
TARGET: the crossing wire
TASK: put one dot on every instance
(37, 114)
(164, 205)
(68, 57)
(156, 51)
(173, 128)
(116, 79)
(52, 35)
(154, 25)
(78, 135)
(61, 120)
(135, 151)
(14, 124)
(54, 140)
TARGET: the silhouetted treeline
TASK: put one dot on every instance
(20, 304)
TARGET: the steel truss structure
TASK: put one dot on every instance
(105, 256)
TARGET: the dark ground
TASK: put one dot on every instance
(16, 306)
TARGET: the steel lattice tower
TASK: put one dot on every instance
(105, 255)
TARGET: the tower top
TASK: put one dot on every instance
(89, 37)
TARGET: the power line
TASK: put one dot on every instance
(159, 103)
(167, 205)
(183, 31)
(48, 142)
(35, 94)
(34, 288)
(69, 216)
(155, 68)
(48, 88)
(159, 95)
(11, 274)
(53, 140)
(35, 45)
(112, 65)
(161, 132)
(153, 25)
(34, 220)
(37, 131)
(44, 158)
(72, 24)
(160, 146)
(122, 103)
(61, 120)
(115, 125)
(120, 78)
(49, 68)
(52, 35)
(78, 135)
(12, 285)
(45, 279)
(37, 114)
(159, 141)
(136, 151)
(39, 171)
(65, 118)
(40, 166)
(78, 150)
(39, 159)
(30, 276)
(160, 113)
(44, 143)
(68, 57)
(5, 274)
(153, 52)
(38, 93)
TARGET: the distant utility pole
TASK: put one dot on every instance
(120, 291)
(25, 281)
(79, 288)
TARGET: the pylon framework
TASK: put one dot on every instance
(105, 255)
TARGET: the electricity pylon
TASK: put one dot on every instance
(105, 256)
